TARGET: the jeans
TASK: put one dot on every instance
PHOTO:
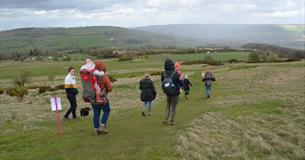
(97, 112)
(147, 104)
(208, 91)
(73, 105)
(172, 103)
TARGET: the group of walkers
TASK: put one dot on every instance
(96, 85)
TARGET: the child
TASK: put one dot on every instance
(208, 78)
(186, 86)
(90, 67)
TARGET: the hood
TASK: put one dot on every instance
(99, 65)
(169, 65)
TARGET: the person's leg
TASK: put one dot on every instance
(187, 92)
(70, 109)
(149, 105)
(168, 107)
(144, 107)
(74, 106)
(106, 110)
(96, 116)
(208, 91)
(175, 101)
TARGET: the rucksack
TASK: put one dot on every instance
(168, 86)
(89, 94)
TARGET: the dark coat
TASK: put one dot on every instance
(169, 68)
(186, 84)
(148, 92)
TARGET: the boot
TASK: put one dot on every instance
(103, 129)
(97, 131)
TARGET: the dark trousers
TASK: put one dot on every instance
(170, 111)
(73, 105)
(97, 112)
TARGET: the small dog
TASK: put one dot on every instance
(84, 111)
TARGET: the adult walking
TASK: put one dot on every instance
(106, 87)
(148, 93)
(171, 85)
(71, 91)
(208, 78)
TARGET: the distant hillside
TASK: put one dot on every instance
(59, 39)
(235, 35)
(282, 51)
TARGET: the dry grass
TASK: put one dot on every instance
(247, 126)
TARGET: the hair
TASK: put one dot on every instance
(70, 68)
(146, 75)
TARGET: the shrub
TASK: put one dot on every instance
(254, 57)
(23, 78)
(273, 57)
(155, 73)
(17, 91)
(292, 60)
(32, 87)
(60, 87)
(208, 60)
(126, 58)
(43, 89)
(233, 60)
(1, 91)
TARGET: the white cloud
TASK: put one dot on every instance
(151, 12)
(281, 14)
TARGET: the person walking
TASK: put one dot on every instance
(148, 93)
(207, 79)
(106, 87)
(71, 91)
(186, 86)
(171, 85)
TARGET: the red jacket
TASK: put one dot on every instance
(104, 81)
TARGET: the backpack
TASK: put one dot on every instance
(168, 86)
(89, 94)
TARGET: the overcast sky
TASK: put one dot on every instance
(132, 13)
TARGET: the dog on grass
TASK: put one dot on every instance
(84, 111)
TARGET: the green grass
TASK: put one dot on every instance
(135, 137)
(223, 56)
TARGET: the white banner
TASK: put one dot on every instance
(53, 105)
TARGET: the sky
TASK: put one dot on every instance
(134, 13)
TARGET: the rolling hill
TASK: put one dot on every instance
(181, 35)
(235, 35)
(60, 39)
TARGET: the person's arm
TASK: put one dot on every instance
(162, 76)
(190, 82)
(140, 85)
(153, 89)
(107, 83)
(99, 73)
(177, 77)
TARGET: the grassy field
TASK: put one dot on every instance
(256, 112)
